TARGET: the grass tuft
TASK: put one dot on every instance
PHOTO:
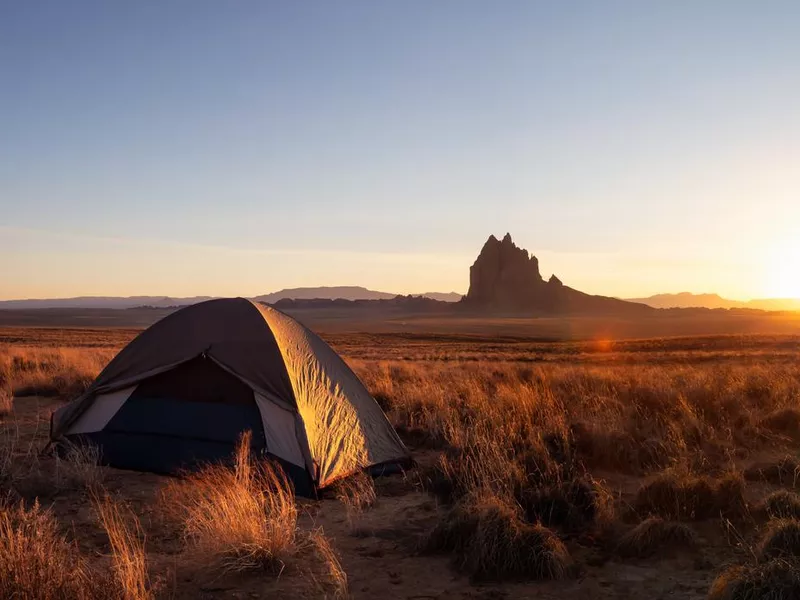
(776, 579)
(785, 472)
(36, 561)
(237, 519)
(655, 536)
(79, 467)
(357, 494)
(129, 561)
(6, 401)
(333, 583)
(781, 540)
(782, 504)
(489, 540)
(681, 496)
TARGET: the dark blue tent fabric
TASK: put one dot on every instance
(183, 419)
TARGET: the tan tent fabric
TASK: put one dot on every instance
(280, 430)
(346, 428)
(104, 407)
(315, 412)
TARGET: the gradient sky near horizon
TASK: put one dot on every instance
(196, 147)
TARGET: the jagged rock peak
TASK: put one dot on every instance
(503, 274)
(554, 280)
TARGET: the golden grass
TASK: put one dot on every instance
(63, 372)
(79, 467)
(780, 540)
(489, 540)
(333, 582)
(6, 401)
(128, 557)
(523, 436)
(776, 579)
(636, 418)
(237, 519)
(782, 504)
(36, 560)
(683, 496)
(654, 535)
(357, 494)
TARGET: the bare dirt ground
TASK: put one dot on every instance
(379, 547)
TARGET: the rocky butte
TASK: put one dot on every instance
(505, 278)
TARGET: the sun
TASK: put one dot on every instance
(783, 271)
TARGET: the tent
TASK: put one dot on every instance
(182, 393)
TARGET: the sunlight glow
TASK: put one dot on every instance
(783, 271)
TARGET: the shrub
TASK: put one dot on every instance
(785, 471)
(6, 401)
(237, 519)
(655, 535)
(128, 556)
(569, 504)
(489, 540)
(36, 561)
(674, 495)
(785, 421)
(781, 540)
(356, 493)
(79, 467)
(782, 504)
(776, 579)
(333, 583)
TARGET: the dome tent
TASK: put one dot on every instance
(182, 392)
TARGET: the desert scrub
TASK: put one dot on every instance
(36, 560)
(236, 519)
(489, 540)
(684, 496)
(655, 535)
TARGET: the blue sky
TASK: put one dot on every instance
(191, 147)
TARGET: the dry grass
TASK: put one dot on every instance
(128, 557)
(683, 496)
(781, 504)
(63, 372)
(781, 540)
(238, 519)
(655, 536)
(357, 494)
(6, 400)
(773, 580)
(36, 560)
(489, 540)
(79, 467)
(785, 471)
(333, 582)
(522, 433)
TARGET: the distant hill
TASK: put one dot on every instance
(309, 293)
(102, 302)
(689, 300)
(504, 278)
(443, 296)
(346, 292)
(343, 292)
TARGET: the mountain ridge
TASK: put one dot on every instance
(305, 293)
(715, 301)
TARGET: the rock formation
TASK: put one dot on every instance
(505, 278)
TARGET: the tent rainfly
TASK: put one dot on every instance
(181, 394)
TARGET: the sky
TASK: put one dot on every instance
(192, 147)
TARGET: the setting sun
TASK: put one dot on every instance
(783, 271)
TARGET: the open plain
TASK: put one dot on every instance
(549, 469)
